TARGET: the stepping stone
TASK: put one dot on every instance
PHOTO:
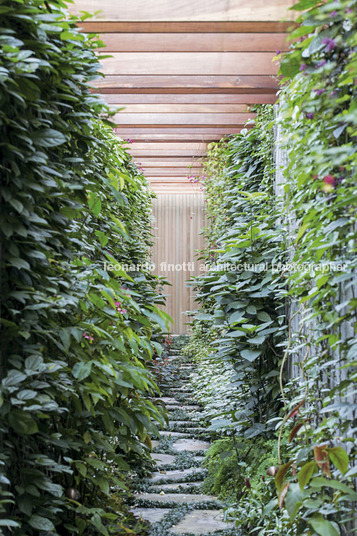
(201, 522)
(155, 443)
(178, 498)
(153, 515)
(176, 474)
(167, 400)
(167, 433)
(186, 408)
(163, 459)
(190, 445)
(188, 424)
(179, 485)
(190, 430)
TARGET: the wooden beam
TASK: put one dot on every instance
(171, 161)
(194, 42)
(172, 137)
(121, 99)
(199, 10)
(174, 153)
(187, 120)
(190, 164)
(185, 27)
(170, 180)
(190, 63)
(170, 172)
(191, 134)
(189, 84)
(154, 146)
(184, 108)
(168, 161)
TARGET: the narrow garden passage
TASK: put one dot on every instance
(130, 138)
(171, 498)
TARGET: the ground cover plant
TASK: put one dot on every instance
(76, 336)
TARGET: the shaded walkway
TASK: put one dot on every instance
(172, 499)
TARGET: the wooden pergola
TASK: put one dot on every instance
(185, 73)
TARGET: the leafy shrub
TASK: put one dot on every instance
(76, 338)
(318, 115)
(240, 295)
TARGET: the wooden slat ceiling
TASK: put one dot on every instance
(185, 73)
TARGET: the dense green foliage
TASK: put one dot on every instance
(76, 338)
(319, 116)
(240, 293)
(313, 228)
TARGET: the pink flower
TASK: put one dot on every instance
(88, 337)
(119, 308)
(329, 179)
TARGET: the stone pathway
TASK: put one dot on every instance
(171, 499)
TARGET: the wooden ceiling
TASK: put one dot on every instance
(185, 72)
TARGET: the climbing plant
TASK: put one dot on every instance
(78, 328)
(314, 237)
(239, 292)
(318, 114)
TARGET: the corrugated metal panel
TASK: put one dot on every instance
(178, 220)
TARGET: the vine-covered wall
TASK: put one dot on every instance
(254, 324)
(77, 334)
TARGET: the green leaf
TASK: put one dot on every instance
(304, 4)
(102, 238)
(203, 316)
(41, 523)
(48, 137)
(301, 231)
(21, 264)
(236, 317)
(293, 500)
(322, 526)
(290, 65)
(280, 475)
(94, 203)
(82, 370)
(306, 473)
(263, 316)
(339, 458)
(14, 377)
(22, 422)
(250, 355)
(320, 482)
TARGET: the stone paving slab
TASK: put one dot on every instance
(178, 498)
(167, 433)
(190, 445)
(153, 515)
(163, 459)
(175, 474)
(201, 522)
(186, 407)
(167, 400)
(179, 485)
(183, 423)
